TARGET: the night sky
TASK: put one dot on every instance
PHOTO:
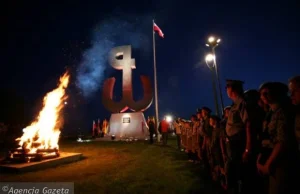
(260, 42)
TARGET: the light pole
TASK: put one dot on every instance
(213, 43)
(209, 59)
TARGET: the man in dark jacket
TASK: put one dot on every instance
(151, 126)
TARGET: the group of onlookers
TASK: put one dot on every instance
(255, 146)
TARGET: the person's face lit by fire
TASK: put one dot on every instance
(192, 119)
(229, 91)
(226, 112)
(204, 113)
(265, 96)
(212, 122)
(199, 116)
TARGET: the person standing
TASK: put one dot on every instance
(222, 138)
(94, 130)
(195, 144)
(215, 147)
(177, 126)
(200, 134)
(151, 125)
(281, 165)
(238, 131)
(207, 132)
(105, 126)
(257, 115)
(189, 144)
(164, 128)
(294, 87)
(99, 130)
(183, 134)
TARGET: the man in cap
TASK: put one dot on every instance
(238, 135)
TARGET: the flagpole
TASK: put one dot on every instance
(155, 81)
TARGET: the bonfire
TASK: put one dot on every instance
(40, 138)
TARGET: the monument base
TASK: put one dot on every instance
(128, 126)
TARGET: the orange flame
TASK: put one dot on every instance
(44, 132)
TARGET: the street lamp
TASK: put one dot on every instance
(210, 62)
(213, 42)
(209, 58)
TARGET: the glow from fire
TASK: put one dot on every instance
(44, 132)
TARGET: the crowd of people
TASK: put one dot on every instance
(100, 128)
(255, 146)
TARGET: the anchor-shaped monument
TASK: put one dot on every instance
(130, 124)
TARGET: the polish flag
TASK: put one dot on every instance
(158, 30)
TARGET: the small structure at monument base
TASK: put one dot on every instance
(64, 158)
(131, 126)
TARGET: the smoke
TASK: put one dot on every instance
(110, 33)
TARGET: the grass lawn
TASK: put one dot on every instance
(120, 167)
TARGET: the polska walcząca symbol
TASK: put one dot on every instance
(126, 64)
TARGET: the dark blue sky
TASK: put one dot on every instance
(260, 42)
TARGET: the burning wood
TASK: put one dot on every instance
(40, 138)
(23, 155)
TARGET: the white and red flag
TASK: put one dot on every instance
(158, 30)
